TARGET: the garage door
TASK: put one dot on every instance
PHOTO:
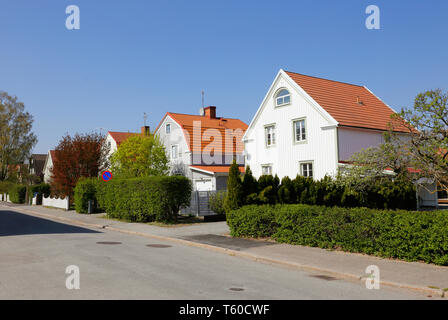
(204, 185)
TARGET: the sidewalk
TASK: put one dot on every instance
(429, 279)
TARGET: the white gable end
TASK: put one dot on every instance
(286, 155)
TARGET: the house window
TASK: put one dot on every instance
(299, 130)
(168, 128)
(174, 152)
(266, 170)
(282, 98)
(306, 169)
(270, 135)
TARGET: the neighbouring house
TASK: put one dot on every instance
(114, 138)
(37, 163)
(202, 147)
(48, 166)
(312, 126)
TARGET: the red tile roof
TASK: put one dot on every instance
(53, 155)
(119, 137)
(207, 137)
(341, 101)
(217, 169)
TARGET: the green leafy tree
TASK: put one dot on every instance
(234, 198)
(140, 156)
(250, 184)
(16, 138)
(424, 147)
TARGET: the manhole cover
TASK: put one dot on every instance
(158, 246)
(108, 242)
(323, 277)
(236, 289)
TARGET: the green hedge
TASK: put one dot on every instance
(17, 193)
(85, 190)
(380, 193)
(144, 199)
(407, 235)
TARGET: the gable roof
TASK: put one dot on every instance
(185, 121)
(341, 101)
(38, 162)
(120, 137)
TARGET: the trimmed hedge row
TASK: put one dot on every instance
(407, 235)
(380, 193)
(17, 193)
(85, 190)
(144, 199)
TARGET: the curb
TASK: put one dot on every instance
(250, 256)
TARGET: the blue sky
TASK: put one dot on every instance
(134, 56)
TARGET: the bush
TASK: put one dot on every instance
(85, 190)
(5, 186)
(17, 193)
(144, 199)
(252, 221)
(381, 193)
(216, 202)
(235, 193)
(407, 235)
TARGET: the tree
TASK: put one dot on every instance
(423, 149)
(249, 184)
(427, 124)
(140, 156)
(83, 155)
(234, 198)
(16, 138)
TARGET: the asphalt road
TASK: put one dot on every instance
(35, 252)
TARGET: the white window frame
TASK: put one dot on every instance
(177, 152)
(294, 134)
(276, 97)
(302, 163)
(268, 165)
(168, 131)
(273, 141)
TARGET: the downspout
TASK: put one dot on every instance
(336, 135)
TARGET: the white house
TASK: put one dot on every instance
(114, 138)
(202, 147)
(311, 126)
(48, 166)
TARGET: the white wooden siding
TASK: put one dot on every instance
(286, 156)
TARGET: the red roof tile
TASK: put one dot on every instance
(119, 137)
(341, 101)
(208, 135)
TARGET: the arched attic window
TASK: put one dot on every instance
(283, 97)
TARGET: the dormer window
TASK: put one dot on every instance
(282, 98)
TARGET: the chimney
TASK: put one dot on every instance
(210, 112)
(145, 131)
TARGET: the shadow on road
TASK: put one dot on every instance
(14, 223)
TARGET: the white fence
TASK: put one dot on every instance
(56, 202)
(4, 197)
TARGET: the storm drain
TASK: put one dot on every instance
(155, 245)
(323, 277)
(236, 289)
(108, 242)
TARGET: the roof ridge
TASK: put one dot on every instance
(198, 115)
(306, 75)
